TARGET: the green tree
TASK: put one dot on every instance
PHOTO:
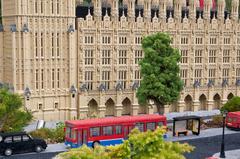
(160, 69)
(232, 105)
(140, 145)
(12, 116)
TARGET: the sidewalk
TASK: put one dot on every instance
(234, 154)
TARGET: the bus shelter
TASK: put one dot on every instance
(182, 125)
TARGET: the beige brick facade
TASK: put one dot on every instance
(69, 65)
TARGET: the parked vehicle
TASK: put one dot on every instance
(108, 131)
(233, 120)
(13, 143)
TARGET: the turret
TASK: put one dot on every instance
(98, 9)
(235, 5)
(221, 9)
(147, 10)
(207, 9)
(178, 9)
(162, 9)
(192, 9)
(115, 12)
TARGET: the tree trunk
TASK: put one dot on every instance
(159, 106)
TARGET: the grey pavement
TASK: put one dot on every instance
(234, 154)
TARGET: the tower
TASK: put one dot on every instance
(221, 9)
(39, 39)
(235, 5)
(162, 9)
(192, 9)
(207, 9)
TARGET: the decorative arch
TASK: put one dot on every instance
(217, 101)
(126, 107)
(110, 105)
(93, 108)
(188, 103)
(203, 102)
(230, 96)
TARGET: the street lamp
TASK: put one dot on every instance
(222, 153)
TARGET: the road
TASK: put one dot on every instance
(205, 147)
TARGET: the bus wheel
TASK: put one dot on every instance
(95, 144)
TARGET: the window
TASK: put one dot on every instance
(108, 130)
(160, 124)
(95, 131)
(118, 129)
(137, 76)
(238, 56)
(138, 40)
(17, 138)
(212, 75)
(106, 79)
(25, 138)
(36, 6)
(36, 44)
(88, 40)
(225, 74)
(184, 40)
(89, 79)
(58, 45)
(106, 57)
(140, 126)
(227, 40)
(184, 75)
(68, 132)
(42, 78)
(198, 56)
(199, 40)
(122, 57)
(88, 57)
(53, 78)
(212, 56)
(226, 56)
(184, 55)
(41, 6)
(122, 77)
(74, 134)
(58, 7)
(122, 40)
(37, 79)
(40, 107)
(238, 73)
(58, 78)
(138, 56)
(198, 75)
(151, 126)
(213, 40)
(106, 40)
(8, 139)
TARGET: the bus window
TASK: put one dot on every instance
(73, 134)
(118, 130)
(160, 124)
(140, 126)
(68, 132)
(107, 130)
(151, 126)
(80, 137)
(85, 136)
(95, 131)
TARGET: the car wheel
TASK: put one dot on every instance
(8, 152)
(96, 144)
(38, 149)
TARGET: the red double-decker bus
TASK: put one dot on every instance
(108, 131)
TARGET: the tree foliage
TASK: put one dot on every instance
(139, 146)
(160, 69)
(232, 105)
(12, 117)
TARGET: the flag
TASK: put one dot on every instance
(201, 4)
(214, 5)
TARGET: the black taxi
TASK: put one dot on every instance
(13, 143)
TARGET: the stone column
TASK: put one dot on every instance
(102, 107)
(196, 104)
(119, 106)
(181, 105)
(135, 105)
(166, 109)
(210, 105)
(83, 109)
